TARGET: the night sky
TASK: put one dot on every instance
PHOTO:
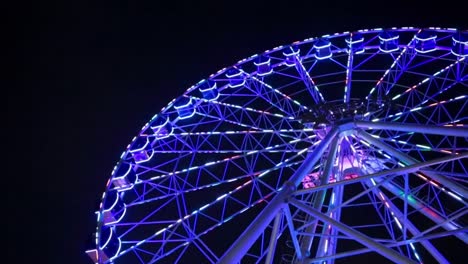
(90, 75)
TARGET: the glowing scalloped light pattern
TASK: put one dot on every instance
(142, 148)
(145, 160)
(119, 219)
(125, 174)
(113, 204)
(459, 41)
(189, 103)
(262, 63)
(238, 73)
(324, 57)
(390, 38)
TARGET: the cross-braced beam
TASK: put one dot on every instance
(408, 224)
(358, 236)
(416, 128)
(258, 225)
(398, 171)
(410, 160)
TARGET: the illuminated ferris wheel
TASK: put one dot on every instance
(338, 148)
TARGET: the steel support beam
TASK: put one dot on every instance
(329, 248)
(273, 236)
(297, 248)
(409, 225)
(258, 225)
(358, 236)
(417, 128)
(425, 210)
(398, 171)
(307, 241)
(401, 243)
(410, 160)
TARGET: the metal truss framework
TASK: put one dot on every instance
(248, 167)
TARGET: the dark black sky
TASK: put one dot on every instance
(90, 74)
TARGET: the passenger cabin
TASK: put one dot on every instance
(208, 90)
(114, 208)
(161, 127)
(184, 106)
(425, 41)
(388, 41)
(236, 79)
(141, 150)
(460, 43)
(322, 49)
(290, 53)
(263, 64)
(124, 177)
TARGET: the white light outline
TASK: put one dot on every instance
(209, 88)
(113, 204)
(120, 218)
(189, 103)
(126, 173)
(149, 157)
(140, 149)
(262, 63)
(187, 116)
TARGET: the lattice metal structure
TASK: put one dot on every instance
(333, 148)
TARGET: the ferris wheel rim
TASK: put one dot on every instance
(238, 65)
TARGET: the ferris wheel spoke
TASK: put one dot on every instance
(439, 104)
(192, 182)
(444, 57)
(244, 108)
(275, 97)
(308, 81)
(370, 57)
(289, 146)
(228, 141)
(414, 128)
(391, 75)
(425, 210)
(171, 229)
(450, 218)
(349, 77)
(406, 146)
(241, 118)
(402, 221)
(432, 78)
(222, 197)
(419, 108)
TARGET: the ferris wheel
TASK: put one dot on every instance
(343, 147)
